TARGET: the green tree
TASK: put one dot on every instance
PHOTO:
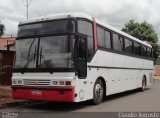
(2, 29)
(145, 32)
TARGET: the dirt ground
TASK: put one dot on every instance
(6, 95)
(157, 77)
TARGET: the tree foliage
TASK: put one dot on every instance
(145, 32)
(2, 29)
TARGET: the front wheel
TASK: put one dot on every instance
(98, 92)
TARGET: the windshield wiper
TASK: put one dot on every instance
(45, 62)
(30, 57)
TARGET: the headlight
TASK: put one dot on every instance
(55, 82)
(14, 82)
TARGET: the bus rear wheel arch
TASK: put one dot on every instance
(144, 83)
(99, 91)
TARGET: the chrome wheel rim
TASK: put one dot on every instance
(98, 92)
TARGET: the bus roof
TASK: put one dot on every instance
(57, 16)
(81, 15)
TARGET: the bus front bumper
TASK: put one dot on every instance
(56, 94)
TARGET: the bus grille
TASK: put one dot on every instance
(36, 82)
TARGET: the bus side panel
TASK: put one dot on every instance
(148, 73)
(121, 73)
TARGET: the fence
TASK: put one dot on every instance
(6, 67)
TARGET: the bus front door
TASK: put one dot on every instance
(82, 57)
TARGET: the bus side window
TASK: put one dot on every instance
(118, 42)
(100, 36)
(90, 48)
(152, 53)
(115, 41)
(149, 52)
(143, 50)
(86, 29)
(107, 36)
(121, 44)
(128, 46)
(137, 48)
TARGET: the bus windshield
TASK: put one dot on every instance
(45, 45)
(45, 52)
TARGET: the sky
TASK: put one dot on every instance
(113, 12)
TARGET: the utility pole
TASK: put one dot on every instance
(27, 3)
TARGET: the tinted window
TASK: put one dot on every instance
(117, 42)
(137, 48)
(85, 27)
(149, 52)
(107, 36)
(128, 46)
(52, 27)
(152, 53)
(144, 50)
(121, 44)
(90, 48)
(100, 35)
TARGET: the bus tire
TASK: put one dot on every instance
(143, 84)
(98, 92)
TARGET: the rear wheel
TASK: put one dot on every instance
(143, 84)
(98, 92)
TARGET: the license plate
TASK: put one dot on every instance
(36, 92)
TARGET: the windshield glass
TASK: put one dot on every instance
(49, 27)
(26, 51)
(45, 52)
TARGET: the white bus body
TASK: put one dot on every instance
(117, 71)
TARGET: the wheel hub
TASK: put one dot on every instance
(98, 91)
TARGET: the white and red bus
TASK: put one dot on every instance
(74, 57)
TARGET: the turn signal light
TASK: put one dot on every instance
(14, 82)
(68, 82)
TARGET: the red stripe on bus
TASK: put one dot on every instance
(44, 94)
(95, 33)
(44, 87)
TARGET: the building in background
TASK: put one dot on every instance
(7, 52)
